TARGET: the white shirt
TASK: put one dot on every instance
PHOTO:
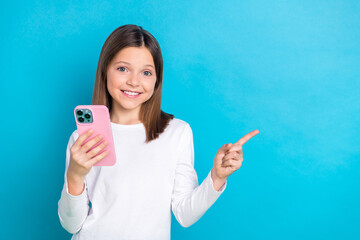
(133, 199)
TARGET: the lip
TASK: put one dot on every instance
(130, 91)
(130, 96)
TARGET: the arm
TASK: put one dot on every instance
(190, 201)
(73, 208)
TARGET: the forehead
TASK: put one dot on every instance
(134, 55)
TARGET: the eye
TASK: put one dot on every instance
(149, 73)
(122, 69)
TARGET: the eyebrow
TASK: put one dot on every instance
(147, 65)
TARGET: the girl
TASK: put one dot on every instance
(154, 173)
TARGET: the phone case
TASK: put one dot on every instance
(97, 118)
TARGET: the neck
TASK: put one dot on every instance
(125, 116)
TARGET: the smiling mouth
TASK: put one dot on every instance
(130, 93)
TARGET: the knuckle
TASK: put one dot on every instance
(104, 154)
(87, 145)
(83, 136)
(72, 150)
(94, 150)
(90, 154)
(99, 157)
(98, 137)
(75, 157)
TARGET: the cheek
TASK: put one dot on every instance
(150, 87)
(113, 82)
(109, 85)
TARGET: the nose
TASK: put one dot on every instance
(133, 80)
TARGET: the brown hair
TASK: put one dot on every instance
(151, 115)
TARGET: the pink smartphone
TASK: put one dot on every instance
(97, 118)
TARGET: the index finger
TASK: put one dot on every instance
(247, 137)
(83, 137)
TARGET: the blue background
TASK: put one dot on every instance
(288, 68)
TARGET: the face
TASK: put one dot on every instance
(131, 78)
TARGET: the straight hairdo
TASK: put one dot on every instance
(130, 35)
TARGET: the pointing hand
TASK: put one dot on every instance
(229, 158)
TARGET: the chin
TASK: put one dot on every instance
(129, 106)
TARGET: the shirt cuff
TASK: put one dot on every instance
(211, 183)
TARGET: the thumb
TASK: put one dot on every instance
(226, 147)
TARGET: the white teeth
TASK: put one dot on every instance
(131, 93)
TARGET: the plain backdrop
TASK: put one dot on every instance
(290, 69)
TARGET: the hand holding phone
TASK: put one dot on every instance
(97, 118)
(82, 158)
(88, 151)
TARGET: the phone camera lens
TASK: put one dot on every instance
(87, 115)
(81, 119)
(79, 112)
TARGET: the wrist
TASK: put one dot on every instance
(217, 182)
(216, 178)
(74, 177)
(76, 184)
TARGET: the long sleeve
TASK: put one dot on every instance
(189, 200)
(72, 210)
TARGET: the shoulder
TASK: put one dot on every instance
(182, 132)
(180, 124)
(180, 127)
